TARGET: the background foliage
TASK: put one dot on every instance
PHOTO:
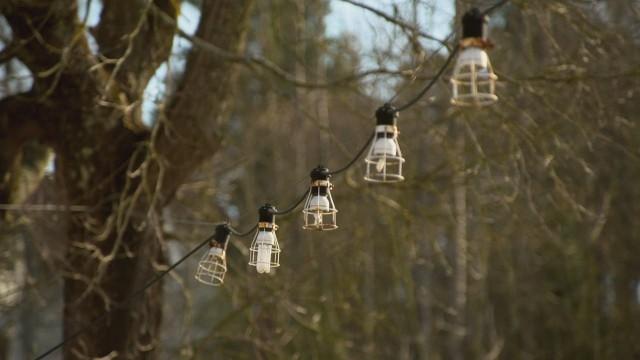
(515, 235)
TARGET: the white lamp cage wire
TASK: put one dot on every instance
(264, 252)
(473, 82)
(319, 210)
(383, 163)
(213, 264)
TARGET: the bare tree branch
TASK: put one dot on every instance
(274, 69)
(8, 53)
(195, 114)
(20, 121)
(134, 36)
(399, 22)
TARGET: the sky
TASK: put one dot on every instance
(343, 18)
(347, 18)
(371, 30)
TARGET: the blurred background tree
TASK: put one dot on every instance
(515, 235)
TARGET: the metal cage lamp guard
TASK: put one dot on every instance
(213, 265)
(264, 252)
(384, 160)
(319, 211)
(474, 82)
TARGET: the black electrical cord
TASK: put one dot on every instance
(283, 212)
(294, 205)
(139, 292)
(433, 54)
(243, 233)
(433, 81)
(355, 158)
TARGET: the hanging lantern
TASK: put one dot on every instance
(264, 252)
(213, 265)
(473, 81)
(319, 210)
(384, 160)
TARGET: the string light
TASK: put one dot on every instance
(213, 265)
(264, 252)
(473, 81)
(319, 211)
(384, 161)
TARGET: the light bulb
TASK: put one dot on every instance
(385, 146)
(477, 59)
(474, 56)
(215, 253)
(473, 80)
(264, 241)
(319, 203)
(212, 267)
(319, 211)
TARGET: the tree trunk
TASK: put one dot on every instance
(459, 327)
(460, 244)
(89, 112)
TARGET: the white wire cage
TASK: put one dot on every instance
(264, 252)
(213, 264)
(383, 163)
(473, 81)
(319, 210)
(212, 267)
